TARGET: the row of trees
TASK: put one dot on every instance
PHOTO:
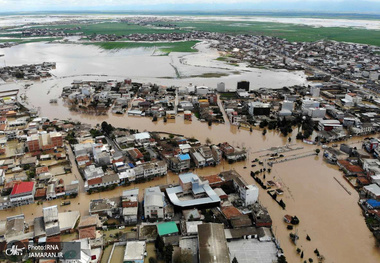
(285, 126)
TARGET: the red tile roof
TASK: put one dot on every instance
(53, 240)
(231, 212)
(82, 158)
(94, 181)
(40, 193)
(350, 167)
(23, 187)
(212, 179)
(41, 170)
(88, 232)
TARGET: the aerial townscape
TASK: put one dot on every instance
(181, 136)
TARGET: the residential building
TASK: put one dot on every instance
(44, 141)
(212, 244)
(372, 191)
(130, 203)
(93, 172)
(22, 193)
(179, 163)
(154, 204)
(105, 207)
(51, 223)
(135, 252)
(197, 193)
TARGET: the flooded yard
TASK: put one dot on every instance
(118, 254)
(329, 215)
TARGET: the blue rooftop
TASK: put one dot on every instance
(184, 157)
(373, 203)
(131, 165)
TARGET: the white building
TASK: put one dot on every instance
(316, 112)
(221, 87)
(315, 92)
(2, 176)
(202, 90)
(135, 252)
(93, 172)
(23, 193)
(287, 108)
(154, 203)
(249, 194)
(142, 137)
(350, 99)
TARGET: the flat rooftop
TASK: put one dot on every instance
(252, 250)
(212, 244)
(134, 250)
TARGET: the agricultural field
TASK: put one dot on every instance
(117, 28)
(291, 32)
(164, 47)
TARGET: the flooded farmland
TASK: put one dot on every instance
(329, 215)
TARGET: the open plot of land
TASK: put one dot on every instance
(148, 232)
(118, 254)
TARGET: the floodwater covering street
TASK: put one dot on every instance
(327, 213)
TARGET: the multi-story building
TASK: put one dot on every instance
(179, 163)
(154, 203)
(130, 203)
(22, 193)
(44, 141)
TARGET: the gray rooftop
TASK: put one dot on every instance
(39, 226)
(132, 192)
(212, 244)
(252, 250)
(197, 188)
(134, 251)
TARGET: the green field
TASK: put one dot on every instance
(291, 32)
(118, 29)
(165, 47)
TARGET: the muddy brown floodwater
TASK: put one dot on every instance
(327, 213)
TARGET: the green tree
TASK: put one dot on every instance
(235, 260)
(282, 259)
(263, 124)
(159, 244)
(168, 253)
(317, 151)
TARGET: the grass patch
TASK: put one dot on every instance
(228, 95)
(222, 59)
(209, 75)
(165, 47)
